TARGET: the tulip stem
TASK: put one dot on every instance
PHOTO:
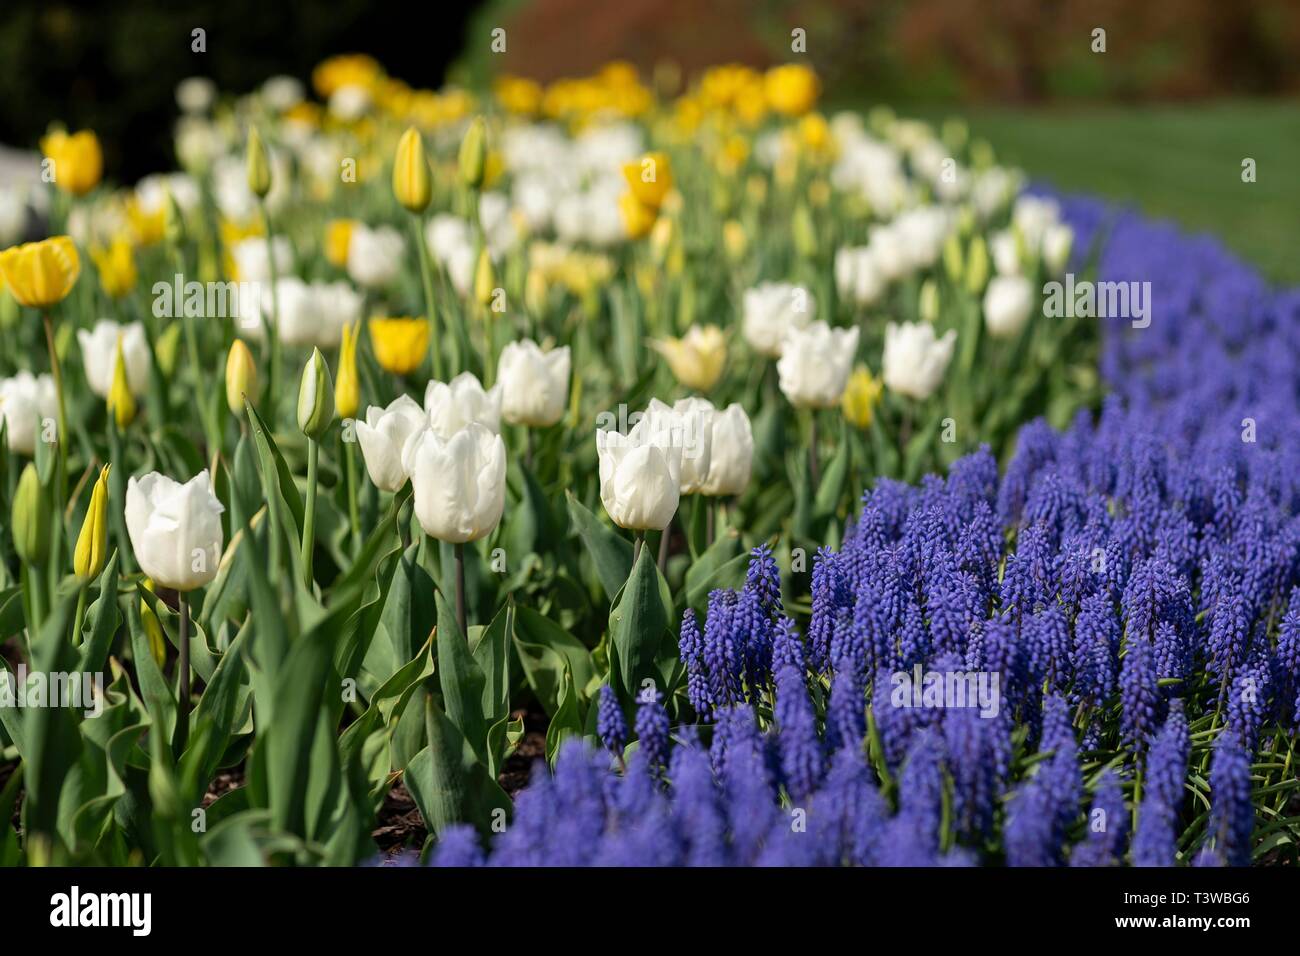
(61, 482)
(814, 464)
(309, 515)
(80, 617)
(637, 541)
(273, 334)
(431, 314)
(460, 590)
(663, 547)
(709, 509)
(354, 517)
(183, 666)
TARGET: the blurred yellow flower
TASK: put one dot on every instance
(338, 236)
(815, 135)
(791, 89)
(40, 274)
(400, 344)
(734, 240)
(518, 94)
(116, 265)
(697, 358)
(77, 158)
(121, 403)
(412, 181)
(146, 227)
(650, 178)
(348, 69)
(638, 218)
(861, 396)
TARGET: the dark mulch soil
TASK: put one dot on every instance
(222, 784)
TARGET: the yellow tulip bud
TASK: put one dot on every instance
(637, 218)
(928, 303)
(412, 183)
(338, 237)
(791, 89)
(650, 178)
(259, 165)
(30, 517)
(697, 358)
(472, 160)
(484, 279)
(953, 259)
(166, 348)
(41, 274)
(861, 396)
(92, 544)
(242, 381)
(535, 291)
(734, 240)
(116, 265)
(977, 266)
(153, 628)
(315, 397)
(121, 403)
(347, 390)
(78, 161)
(400, 344)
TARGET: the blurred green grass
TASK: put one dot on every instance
(1182, 162)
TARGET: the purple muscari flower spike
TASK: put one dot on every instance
(846, 718)
(912, 837)
(787, 647)
(1096, 649)
(764, 579)
(579, 779)
(1027, 582)
(972, 480)
(1288, 660)
(690, 646)
(528, 838)
(1173, 659)
(610, 724)
(1107, 826)
(652, 731)
(1140, 696)
(913, 641)
(458, 846)
(755, 630)
(830, 598)
(1028, 835)
(722, 655)
(848, 813)
(1047, 635)
(1229, 635)
(1166, 767)
(1232, 814)
(1035, 447)
(800, 749)
(750, 798)
(1249, 691)
(972, 747)
(894, 724)
(697, 809)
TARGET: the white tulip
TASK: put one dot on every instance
(1004, 247)
(815, 364)
(282, 92)
(731, 446)
(460, 482)
(535, 384)
(374, 255)
(445, 234)
(687, 426)
(455, 405)
(350, 103)
(308, 314)
(382, 437)
(771, 309)
(921, 233)
(175, 529)
(26, 402)
(13, 215)
(1031, 215)
(99, 353)
(889, 252)
(857, 277)
(253, 258)
(640, 482)
(1058, 240)
(915, 360)
(196, 94)
(1008, 301)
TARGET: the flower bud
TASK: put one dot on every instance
(121, 403)
(804, 232)
(173, 220)
(977, 266)
(472, 161)
(258, 165)
(242, 381)
(484, 280)
(31, 517)
(347, 392)
(166, 349)
(315, 397)
(412, 184)
(92, 544)
(928, 305)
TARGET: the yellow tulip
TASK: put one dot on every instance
(116, 265)
(412, 183)
(92, 544)
(258, 165)
(40, 274)
(78, 160)
(152, 628)
(472, 159)
(518, 95)
(347, 69)
(242, 381)
(400, 344)
(347, 388)
(791, 89)
(734, 240)
(338, 236)
(650, 178)
(121, 403)
(861, 396)
(637, 218)
(697, 357)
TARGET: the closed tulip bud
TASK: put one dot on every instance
(412, 183)
(953, 263)
(175, 529)
(485, 280)
(977, 266)
(121, 403)
(460, 483)
(92, 544)
(315, 397)
(78, 160)
(472, 160)
(258, 165)
(804, 232)
(861, 396)
(166, 349)
(697, 358)
(650, 179)
(638, 218)
(347, 390)
(534, 384)
(31, 517)
(814, 364)
(927, 305)
(116, 265)
(153, 631)
(242, 381)
(99, 352)
(40, 274)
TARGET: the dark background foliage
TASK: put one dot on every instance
(113, 66)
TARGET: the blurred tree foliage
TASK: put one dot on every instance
(113, 66)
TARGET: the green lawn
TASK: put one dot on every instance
(1182, 162)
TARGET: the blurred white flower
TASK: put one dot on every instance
(26, 400)
(857, 278)
(1008, 301)
(253, 258)
(196, 94)
(1058, 240)
(535, 384)
(374, 255)
(1004, 248)
(282, 92)
(99, 355)
(915, 360)
(815, 364)
(771, 309)
(310, 314)
(13, 215)
(350, 103)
